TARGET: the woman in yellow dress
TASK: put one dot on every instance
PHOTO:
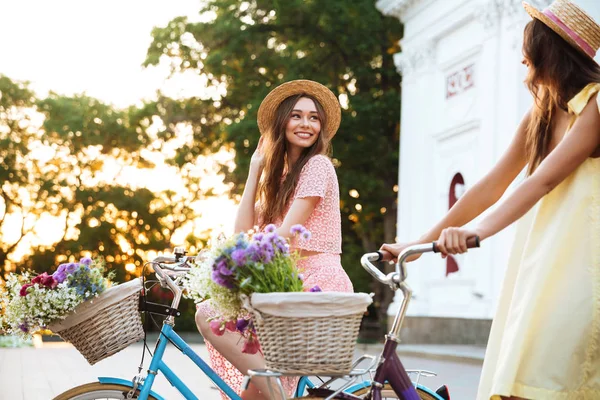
(545, 337)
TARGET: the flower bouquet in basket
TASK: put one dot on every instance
(71, 302)
(257, 290)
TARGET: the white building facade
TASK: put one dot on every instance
(462, 98)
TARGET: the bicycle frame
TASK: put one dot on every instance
(167, 334)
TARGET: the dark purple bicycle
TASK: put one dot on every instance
(390, 380)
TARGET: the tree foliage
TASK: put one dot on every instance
(243, 49)
(64, 190)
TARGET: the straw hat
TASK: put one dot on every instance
(330, 103)
(571, 23)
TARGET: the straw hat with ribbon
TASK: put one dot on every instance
(571, 23)
(330, 103)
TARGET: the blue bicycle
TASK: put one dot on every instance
(390, 379)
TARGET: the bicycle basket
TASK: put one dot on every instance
(105, 325)
(308, 333)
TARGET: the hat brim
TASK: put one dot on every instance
(539, 15)
(330, 104)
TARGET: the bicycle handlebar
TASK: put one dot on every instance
(394, 278)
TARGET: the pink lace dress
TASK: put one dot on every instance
(317, 179)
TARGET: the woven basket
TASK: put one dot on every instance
(103, 326)
(320, 337)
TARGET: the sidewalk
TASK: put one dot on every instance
(44, 372)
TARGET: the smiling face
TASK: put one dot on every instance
(304, 125)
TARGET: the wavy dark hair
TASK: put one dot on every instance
(278, 183)
(557, 72)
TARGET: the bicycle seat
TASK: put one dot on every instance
(443, 392)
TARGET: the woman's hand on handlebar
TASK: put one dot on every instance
(454, 240)
(391, 251)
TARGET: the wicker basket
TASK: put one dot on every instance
(308, 333)
(105, 325)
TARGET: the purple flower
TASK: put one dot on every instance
(253, 252)
(269, 237)
(270, 228)
(221, 280)
(71, 268)
(60, 276)
(305, 235)
(301, 277)
(315, 288)
(85, 261)
(282, 245)
(266, 252)
(222, 268)
(296, 229)
(61, 268)
(258, 237)
(267, 247)
(239, 257)
(242, 324)
(24, 327)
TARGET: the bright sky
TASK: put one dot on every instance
(71, 46)
(75, 46)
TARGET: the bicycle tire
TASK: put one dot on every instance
(387, 393)
(98, 391)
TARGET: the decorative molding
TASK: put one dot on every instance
(395, 8)
(492, 12)
(460, 81)
(457, 129)
(415, 59)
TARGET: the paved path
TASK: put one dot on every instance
(42, 373)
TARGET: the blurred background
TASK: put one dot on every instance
(126, 128)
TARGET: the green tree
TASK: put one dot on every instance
(243, 49)
(66, 158)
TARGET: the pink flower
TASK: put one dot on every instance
(231, 326)
(216, 326)
(251, 345)
(49, 281)
(38, 279)
(45, 280)
(23, 291)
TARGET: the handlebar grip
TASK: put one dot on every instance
(472, 242)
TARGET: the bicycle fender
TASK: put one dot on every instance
(124, 382)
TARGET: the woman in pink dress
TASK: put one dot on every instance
(291, 181)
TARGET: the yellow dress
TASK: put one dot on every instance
(545, 337)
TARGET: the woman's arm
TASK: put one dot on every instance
(578, 144)
(245, 218)
(316, 175)
(482, 195)
(298, 214)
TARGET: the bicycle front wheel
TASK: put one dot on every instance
(98, 391)
(386, 393)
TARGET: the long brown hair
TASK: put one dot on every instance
(276, 189)
(557, 72)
